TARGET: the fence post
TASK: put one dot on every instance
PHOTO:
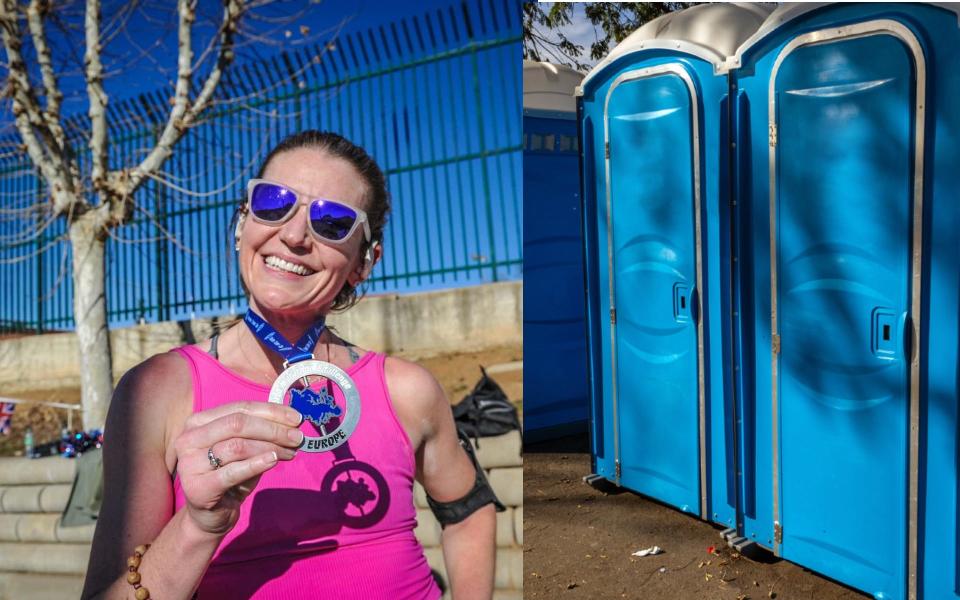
(298, 90)
(162, 244)
(484, 170)
(40, 254)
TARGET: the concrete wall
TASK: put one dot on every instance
(414, 325)
(38, 557)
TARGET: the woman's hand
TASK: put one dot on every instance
(248, 438)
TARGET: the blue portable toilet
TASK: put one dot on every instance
(555, 401)
(654, 119)
(848, 174)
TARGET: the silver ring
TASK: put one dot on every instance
(215, 462)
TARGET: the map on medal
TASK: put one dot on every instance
(316, 407)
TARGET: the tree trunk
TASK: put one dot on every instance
(90, 315)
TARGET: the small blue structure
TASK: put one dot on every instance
(655, 114)
(555, 399)
(826, 361)
(848, 186)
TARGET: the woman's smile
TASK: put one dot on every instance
(287, 266)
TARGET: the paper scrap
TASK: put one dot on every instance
(649, 551)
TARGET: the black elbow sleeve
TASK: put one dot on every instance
(479, 495)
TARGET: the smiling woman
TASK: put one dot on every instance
(296, 459)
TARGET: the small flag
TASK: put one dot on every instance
(6, 414)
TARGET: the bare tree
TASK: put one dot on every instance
(101, 198)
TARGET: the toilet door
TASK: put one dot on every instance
(653, 170)
(843, 204)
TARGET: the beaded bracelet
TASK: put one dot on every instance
(133, 576)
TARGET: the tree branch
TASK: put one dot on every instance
(28, 117)
(54, 96)
(29, 233)
(185, 112)
(35, 252)
(243, 100)
(97, 97)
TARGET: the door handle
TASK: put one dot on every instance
(886, 331)
(682, 303)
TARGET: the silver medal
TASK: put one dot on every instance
(318, 407)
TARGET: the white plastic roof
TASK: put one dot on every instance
(789, 11)
(712, 32)
(549, 87)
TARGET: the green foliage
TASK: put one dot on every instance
(612, 22)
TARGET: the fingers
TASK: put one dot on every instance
(240, 472)
(278, 413)
(237, 449)
(240, 425)
(248, 438)
(240, 492)
(210, 493)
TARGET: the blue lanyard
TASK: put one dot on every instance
(292, 353)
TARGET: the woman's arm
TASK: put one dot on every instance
(447, 474)
(150, 431)
(138, 496)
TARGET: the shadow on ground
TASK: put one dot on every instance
(578, 543)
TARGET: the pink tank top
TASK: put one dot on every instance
(330, 524)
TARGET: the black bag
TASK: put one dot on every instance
(486, 411)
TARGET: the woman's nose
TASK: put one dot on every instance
(294, 231)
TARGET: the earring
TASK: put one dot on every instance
(368, 260)
(237, 230)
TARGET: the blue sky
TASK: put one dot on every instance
(579, 31)
(141, 55)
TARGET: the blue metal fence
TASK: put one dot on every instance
(435, 98)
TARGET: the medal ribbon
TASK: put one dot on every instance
(292, 353)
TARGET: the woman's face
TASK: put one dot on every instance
(312, 174)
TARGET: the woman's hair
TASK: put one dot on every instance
(376, 197)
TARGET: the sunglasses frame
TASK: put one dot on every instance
(361, 215)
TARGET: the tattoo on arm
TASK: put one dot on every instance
(351, 349)
(354, 357)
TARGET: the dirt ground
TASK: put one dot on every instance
(578, 543)
(457, 373)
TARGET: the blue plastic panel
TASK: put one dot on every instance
(654, 270)
(666, 176)
(880, 515)
(555, 394)
(940, 332)
(937, 537)
(843, 218)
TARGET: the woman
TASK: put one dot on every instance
(200, 466)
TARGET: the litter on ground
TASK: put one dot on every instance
(649, 551)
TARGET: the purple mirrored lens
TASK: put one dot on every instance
(271, 202)
(331, 220)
